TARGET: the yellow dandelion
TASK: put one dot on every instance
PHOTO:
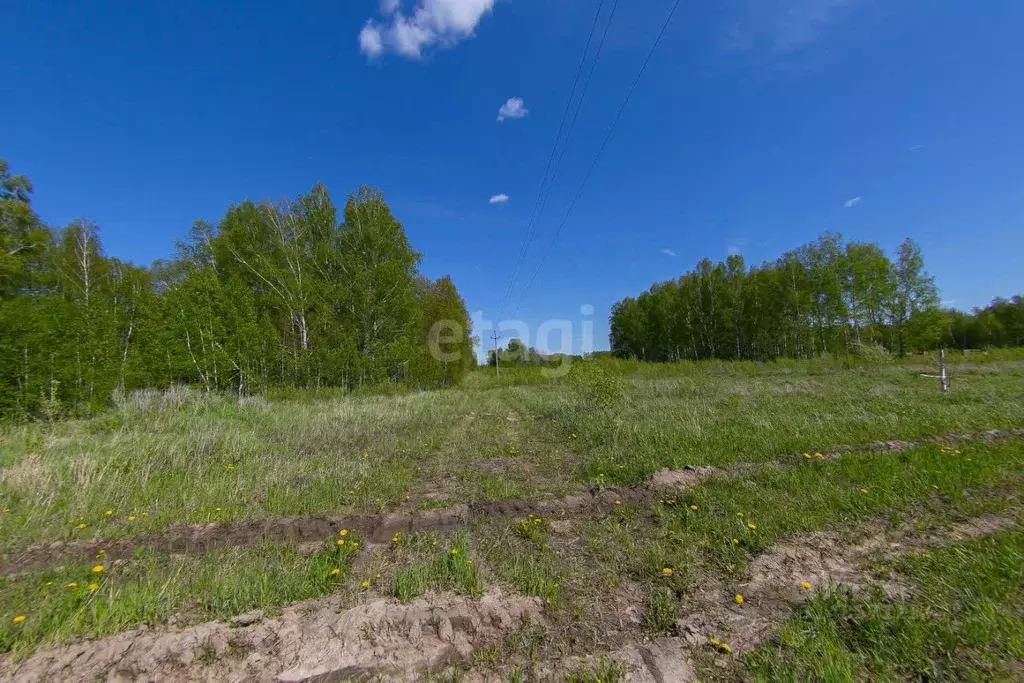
(376, 577)
(714, 641)
(693, 507)
(365, 585)
(108, 513)
(807, 455)
(667, 571)
(739, 514)
(131, 518)
(343, 532)
(818, 455)
(806, 585)
(73, 584)
(751, 525)
(735, 541)
(101, 552)
(724, 647)
(863, 490)
(455, 551)
(738, 599)
(82, 525)
(341, 541)
(618, 502)
(394, 539)
(93, 587)
(18, 619)
(355, 545)
(216, 509)
(96, 569)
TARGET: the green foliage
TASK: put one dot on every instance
(594, 385)
(275, 296)
(660, 613)
(821, 298)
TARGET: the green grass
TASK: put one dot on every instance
(430, 564)
(180, 457)
(962, 622)
(177, 457)
(74, 600)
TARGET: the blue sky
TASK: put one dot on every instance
(758, 125)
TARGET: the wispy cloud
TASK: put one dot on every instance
(514, 108)
(440, 23)
(851, 202)
(498, 199)
(668, 252)
(784, 27)
(914, 148)
(735, 245)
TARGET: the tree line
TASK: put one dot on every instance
(276, 294)
(828, 296)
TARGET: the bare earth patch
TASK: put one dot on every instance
(313, 641)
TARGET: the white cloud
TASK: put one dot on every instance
(785, 27)
(668, 252)
(498, 199)
(441, 23)
(852, 202)
(514, 108)
(370, 40)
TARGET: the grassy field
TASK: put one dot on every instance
(645, 568)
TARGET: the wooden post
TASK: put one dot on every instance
(943, 377)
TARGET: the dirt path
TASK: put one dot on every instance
(380, 528)
(318, 641)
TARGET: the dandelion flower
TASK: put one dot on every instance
(807, 455)
(108, 513)
(751, 525)
(818, 455)
(376, 577)
(738, 599)
(714, 641)
(806, 585)
(97, 568)
(341, 541)
(724, 647)
(618, 502)
(739, 514)
(93, 587)
(335, 571)
(365, 585)
(131, 518)
(394, 539)
(18, 619)
(693, 507)
(101, 552)
(735, 541)
(82, 525)
(216, 509)
(667, 571)
(343, 532)
(73, 584)
(455, 551)
(863, 490)
(355, 545)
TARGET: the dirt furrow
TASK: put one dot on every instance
(190, 538)
(319, 641)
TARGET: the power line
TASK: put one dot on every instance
(528, 234)
(604, 143)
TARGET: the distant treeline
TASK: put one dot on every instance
(282, 294)
(828, 296)
(518, 353)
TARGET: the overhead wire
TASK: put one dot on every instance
(600, 151)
